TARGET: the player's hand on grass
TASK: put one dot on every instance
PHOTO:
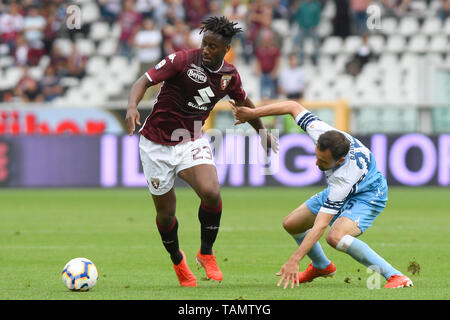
(242, 114)
(132, 118)
(289, 274)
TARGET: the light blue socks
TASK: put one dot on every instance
(362, 253)
(316, 254)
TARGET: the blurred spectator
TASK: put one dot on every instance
(11, 25)
(168, 12)
(308, 18)
(33, 26)
(76, 63)
(52, 27)
(341, 20)
(214, 10)
(50, 84)
(27, 89)
(130, 21)
(291, 81)
(258, 14)
(268, 58)
(280, 9)
(237, 11)
(195, 10)
(396, 8)
(110, 10)
(444, 11)
(58, 61)
(147, 7)
(362, 56)
(176, 37)
(21, 50)
(148, 45)
(359, 16)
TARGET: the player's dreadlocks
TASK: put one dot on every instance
(222, 26)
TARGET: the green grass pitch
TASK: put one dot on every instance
(40, 230)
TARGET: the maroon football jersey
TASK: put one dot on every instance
(188, 94)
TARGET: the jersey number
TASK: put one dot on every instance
(197, 153)
(205, 94)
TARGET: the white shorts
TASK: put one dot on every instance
(161, 163)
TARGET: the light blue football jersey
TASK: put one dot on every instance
(357, 175)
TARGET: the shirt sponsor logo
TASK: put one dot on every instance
(196, 75)
(195, 106)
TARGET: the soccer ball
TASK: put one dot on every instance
(79, 274)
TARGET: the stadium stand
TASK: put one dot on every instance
(385, 71)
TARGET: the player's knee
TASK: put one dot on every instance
(211, 197)
(333, 238)
(164, 220)
(288, 225)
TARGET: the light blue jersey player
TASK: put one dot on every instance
(356, 194)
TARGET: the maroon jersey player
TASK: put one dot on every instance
(171, 143)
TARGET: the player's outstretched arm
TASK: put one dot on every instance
(244, 114)
(137, 92)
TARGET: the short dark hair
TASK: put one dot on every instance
(222, 26)
(336, 141)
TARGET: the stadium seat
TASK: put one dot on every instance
(439, 43)
(99, 31)
(389, 25)
(418, 6)
(408, 26)
(95, 64)
(446, 27)
(90, 12)
(332, 45)
(344, 84)
(281, 26)
(434, 58)
(352, 44)
(36, 72)
(6, 61)
(396, 44)
(12, 76)
(408, 59)
(325, 28)
(116, 30)
(431, 26)
(65, 45)
(85, 46)
(118, 64)
(418, 43)
(376, 43)
(329, 10)
(340, 61)
(371, 71)
(388, 61)
(107, 47)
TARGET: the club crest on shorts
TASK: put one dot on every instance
(225, 81)
(155, 182)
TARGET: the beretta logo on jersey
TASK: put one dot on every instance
(196, 75)
(225, 81)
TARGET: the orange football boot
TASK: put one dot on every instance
(398, 281)
(185, 277)
(312, 272)
(208, 261)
